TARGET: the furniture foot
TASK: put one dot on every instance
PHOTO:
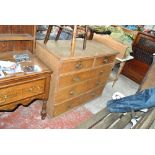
(43, 111)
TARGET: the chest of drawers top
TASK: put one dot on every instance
(61, 49)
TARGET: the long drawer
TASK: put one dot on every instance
(104, 60)
(21, 91)
(76, 65)
(58, 109)
(67, 80)
(76, 90)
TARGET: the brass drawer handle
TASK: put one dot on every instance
(69, 106)
(98, 83)
(4, 99)
(78, 65)
(72, 93)
(30, 89)
(34, 89)
(5, 96)
(76, 79)
(39, 87)
(105, 60)
(93, 94)
(101, 72)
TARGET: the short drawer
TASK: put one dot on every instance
(21, 91)
(76, 90)
(65, 106)
(104, 60)
(70, 66)
(70, 79)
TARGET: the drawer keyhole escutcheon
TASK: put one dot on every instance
(30, 89)
(76, 79)
(93, 94)
(4, 99)
(69, 106)
(105, 60)
(101, 73)
(72, 93)
(78, 65)
(97, 83)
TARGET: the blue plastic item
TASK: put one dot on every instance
(132, 27)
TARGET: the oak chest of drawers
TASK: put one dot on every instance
(76, 79)
(23, 88)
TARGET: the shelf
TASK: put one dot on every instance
(9, 37)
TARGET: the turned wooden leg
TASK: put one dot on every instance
(48, 33)
(43, 111)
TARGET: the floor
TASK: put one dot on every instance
(29, 117)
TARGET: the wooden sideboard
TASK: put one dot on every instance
(24, 87)
(76, 79)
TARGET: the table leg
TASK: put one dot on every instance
(43, 111)
(85, 38)
(118, 73)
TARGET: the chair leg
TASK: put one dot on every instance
(73, 41)
(48, 33)
(58, 34)
(85, 38)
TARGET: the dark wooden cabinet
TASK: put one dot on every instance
(143, 49)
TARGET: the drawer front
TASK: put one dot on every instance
(21, 91)
(58, 109)
(77, 65)
(67, 80)
(76, 90)
(104, 60)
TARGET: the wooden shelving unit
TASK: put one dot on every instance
(17, 37)
(22, 87)
(8, 37)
